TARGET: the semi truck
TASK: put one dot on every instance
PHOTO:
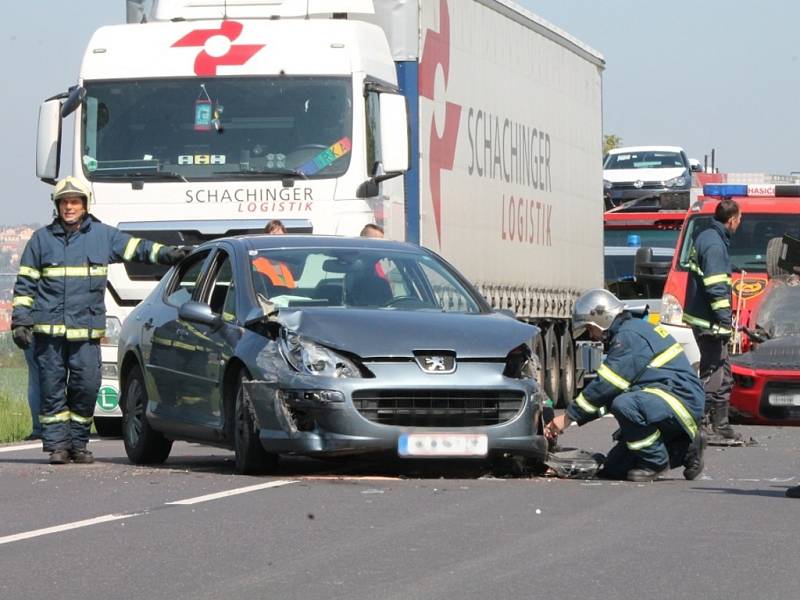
(473, 128)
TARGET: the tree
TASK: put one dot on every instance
(610, 142)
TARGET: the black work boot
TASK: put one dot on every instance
(59, 457)
(721, 426)
(82, 456)
(647, 473)
(693, 460)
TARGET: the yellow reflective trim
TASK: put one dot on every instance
(80, 419)
(22, 301)
(82, 271)
(723, 303)
(226, 316)
(71, 333)
(677, 407)
(606, 373)
(644, 443)
(61, 417)
(29, 272)
(666, 356)
(696, 321)
(161, 341)
(585, 405)
(98, 271)
(154, 252)
(714, 279)
(182, 346)
(130, 248)
(661, 331)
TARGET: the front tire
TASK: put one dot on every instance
(553, 369)
(251, 458)
(143, 444)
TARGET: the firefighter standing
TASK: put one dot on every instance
(59, 298)
(647, 383)
(708, 311)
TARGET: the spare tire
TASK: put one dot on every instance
(773, 255)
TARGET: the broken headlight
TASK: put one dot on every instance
(521, 364)
(311, 358)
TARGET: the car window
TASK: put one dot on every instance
(218, 292)
(644, 160)
(364, 278)
(185, 280)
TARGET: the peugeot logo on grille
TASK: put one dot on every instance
(639, 184)
(436, 362)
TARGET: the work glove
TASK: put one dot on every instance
(172, 255)
(23, 337)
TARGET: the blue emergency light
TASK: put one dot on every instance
(764, 190)
(634, 240)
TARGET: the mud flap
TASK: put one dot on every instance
(572, 463)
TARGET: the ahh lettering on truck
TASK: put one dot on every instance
(501, 149)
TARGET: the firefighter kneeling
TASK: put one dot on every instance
(647, 383)
(59, 298)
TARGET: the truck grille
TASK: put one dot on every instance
(438, 408)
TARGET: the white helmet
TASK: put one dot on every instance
(596, 307)
(71, 186)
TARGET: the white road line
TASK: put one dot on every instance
(233, 492)
(21, 447)
(65, 527)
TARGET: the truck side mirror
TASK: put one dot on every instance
(394, 134)
(48, 141)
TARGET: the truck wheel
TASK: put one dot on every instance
(143, 444)
(567, 379)
(251, 458)
(773, 254)
(108, 427)
(552, 371)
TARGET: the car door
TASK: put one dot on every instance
(170, 351)
(213, 345)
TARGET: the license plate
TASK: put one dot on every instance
(443, 444)
(784, 399)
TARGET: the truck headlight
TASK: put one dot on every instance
(671, 310)
(680, 181)
(311, 358)
(113, 329)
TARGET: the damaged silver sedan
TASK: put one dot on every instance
(320, 346)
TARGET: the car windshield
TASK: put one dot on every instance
(748, 247)
(364, 278)
(646, 159)
(217, 128)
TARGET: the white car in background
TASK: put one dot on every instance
(640, 177)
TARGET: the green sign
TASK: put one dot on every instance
(107, 398)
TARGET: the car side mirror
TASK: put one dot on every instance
(199, 312)
(695, 166)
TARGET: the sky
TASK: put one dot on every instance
(708, 74)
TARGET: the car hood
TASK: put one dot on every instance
(624, 175)
(778, 354)
(395, 333)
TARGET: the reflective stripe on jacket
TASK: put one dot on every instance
(643, 358)
(61, 283)
(708, 292)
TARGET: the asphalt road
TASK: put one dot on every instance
(193, 529)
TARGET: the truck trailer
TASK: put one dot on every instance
(473, 128)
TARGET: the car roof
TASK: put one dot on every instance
(646, 149)
(266, 242)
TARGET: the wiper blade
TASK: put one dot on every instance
(169, 175)
(276, 173)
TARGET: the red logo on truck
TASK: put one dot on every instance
(435, 52)
(219, 52)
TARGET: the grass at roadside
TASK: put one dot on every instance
(15, 418)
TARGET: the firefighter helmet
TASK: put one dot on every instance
(71, 186)
(596, 307)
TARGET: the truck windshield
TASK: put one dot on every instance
(748, 248)
(217, 128)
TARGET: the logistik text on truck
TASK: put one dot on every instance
(198, 120)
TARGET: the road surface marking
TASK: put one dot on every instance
(21, 447)
(65, 527)
(233, 492)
